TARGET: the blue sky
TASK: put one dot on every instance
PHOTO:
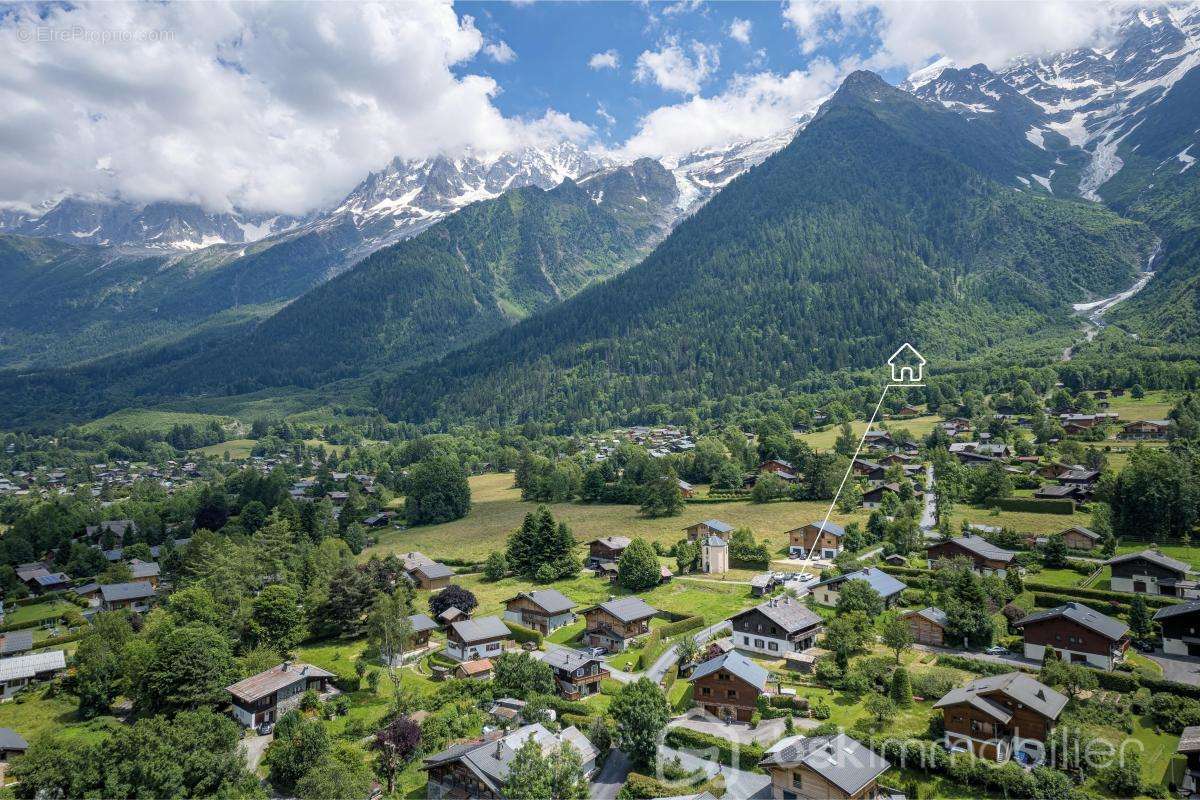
(554, 41)
(286, 106)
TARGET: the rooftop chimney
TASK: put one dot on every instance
(285, 666)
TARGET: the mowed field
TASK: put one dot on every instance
(497, 510)
(917, 426)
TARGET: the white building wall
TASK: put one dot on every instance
(746, 641)
(1037, 652)
(1175, 647)
(243, 716)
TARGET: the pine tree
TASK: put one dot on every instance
(901, 688)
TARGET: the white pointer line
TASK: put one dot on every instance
(853, 458)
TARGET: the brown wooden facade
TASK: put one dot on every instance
(725, 695)
(966, 720)
(811, 538)
(605, 630)
(925, 630)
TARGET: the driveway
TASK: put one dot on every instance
(1012, 659)
(658, 669)
(255, 746)
(739, 784)
(1181, 669)
(767, 733)
(611, 777)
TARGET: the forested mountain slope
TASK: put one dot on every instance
(874, 226)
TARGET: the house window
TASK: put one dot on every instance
(704, 690)
(772, 646)
(731, 694)
(758, 642)
(746, 640)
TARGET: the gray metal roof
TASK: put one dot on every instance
(476, 630)
(786, 612)
(983, 548)
(29, 665)
(1087, 532)
(628, 609)
(1102, 624)
(552, 601)
(422, 622)
(136, 590)
(613, 542)
(16, 642)
(434, 570)
(1020, 687)
(839, 759)
(718, 525)
(144, 569)
(567, 659)
(880, 581)
(934, 615)
(1154, 557)
(489, 759)
(828, 527)
(1178, 609)
(11, 740)
(738, 664)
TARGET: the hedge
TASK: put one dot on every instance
(1154, 601)
(979, 667)
(583, 723)
(643, 787)
(33, 623)
(792, 702)
(1032, 504)
(652, 644)
(522, 634)
(748, 754)
(1171, 687)
(57, 640)
(1110, 607)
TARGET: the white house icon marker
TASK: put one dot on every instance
(907, 364)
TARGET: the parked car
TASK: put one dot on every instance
(997, 650)
(265, 728)
(596, 651)
(1143, 645)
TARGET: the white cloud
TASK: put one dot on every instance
(674, 70)
(910, 33)
(602, 113)
(753, 106)
(280, 107)
(500, 51)
(683, 7)
(606, 60)
(739, 30)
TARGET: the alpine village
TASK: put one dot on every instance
(857, 463)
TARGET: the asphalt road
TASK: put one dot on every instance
(739, 784)
(611, 777)
(1181, 669)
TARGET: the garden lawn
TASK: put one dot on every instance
(1057, 577)
(237, 449)
(1020, 521)
(33, 712)
(919, 427)
(36, 611)
(497, 510)
(1155, 405)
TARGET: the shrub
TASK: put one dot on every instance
(973, 665)
(748, 755)
(522, 634)
(1032, 504)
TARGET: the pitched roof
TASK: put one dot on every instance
(489, 759)
(786, 612)
(144, 569)
(1102, 624)
(567, 659)
(52, 579)
(1189, 740)
(1178, 609)
(1087, 532)
(11, 740)
(272, 680)
(421, 623)
(476, 630)
(736, 663)
(434, 570)
(613, 542)
(981, 547)
(16, 642)
(1154, 557)
(828, 527)
(136, 590)
(552, 601)
(1022, 688)
(718, 525)
(933, 614)
(839, 759)
(477, 667)
(880, 581)
(27, 666)
(627, 609)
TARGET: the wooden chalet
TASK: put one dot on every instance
(889, 589)
(777, 627)
(422, 628)
(576, 674)
(985, 557)
(816, 539)
(1080, 538)
(1078, 634)
(728, 686)
(1150, 572)
(615, 623)
(998, 716)
(1148, 429)
(544, 610)
(829, 767)
(1180, 625)
(266, 696)
(478, 768)
(710, 527)
(927, 626)
(607, 550)
(476, 639)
